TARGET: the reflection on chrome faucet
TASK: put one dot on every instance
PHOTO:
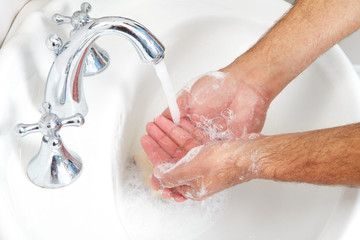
(64, 88)
(54, 165)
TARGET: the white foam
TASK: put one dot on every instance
(215, 74)
(148, 216)
(166, 167)
(211, 129)
(253, 136)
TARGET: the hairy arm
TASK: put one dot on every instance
(309, 29)
(328, 156)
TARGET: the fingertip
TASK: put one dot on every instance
(144, 140)
(148, 126)
(178, 197)
(155, 185)
(167, 114)
(161, 119)
(166, 193)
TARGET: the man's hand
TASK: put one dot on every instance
(186, 167)
(167, 143)
(204, 168)
(219, 106)
(207, 169)
(224, 106)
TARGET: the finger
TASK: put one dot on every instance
(155, 153)
(178, 197)
(167, 114)
(155, 184)
(197, 133)
(193, 193)
(164, 141)
(166, 192)
(173, 177)
(180, 136)
(171, 193)
(188, 192)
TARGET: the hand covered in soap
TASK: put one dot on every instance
(186, 169)
(225, 106)
(167, 143)
(219, 106)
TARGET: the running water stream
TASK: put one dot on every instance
(167, 86)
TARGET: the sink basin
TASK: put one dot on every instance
(199, 36)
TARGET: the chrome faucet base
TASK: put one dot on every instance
(97, 60)
(54, 166)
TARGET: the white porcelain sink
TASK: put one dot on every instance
(199, 36)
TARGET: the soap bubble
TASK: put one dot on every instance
(215, 128)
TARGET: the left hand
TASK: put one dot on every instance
(167, 143)
(207, 169)
(216, 166)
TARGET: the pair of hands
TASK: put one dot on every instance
(208, 151)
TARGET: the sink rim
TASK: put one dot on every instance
(346, 190)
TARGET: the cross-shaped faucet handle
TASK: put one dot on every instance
(78, 19)
(50, 123)
(54, 165)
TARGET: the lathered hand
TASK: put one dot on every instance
(217, 107)
(188, 167)
(225, 106)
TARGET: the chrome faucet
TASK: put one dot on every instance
(64, 87)
(64, 104)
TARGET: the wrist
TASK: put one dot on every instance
(263, 77)
(249, 158)
(259, 157)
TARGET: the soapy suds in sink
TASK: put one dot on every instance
(146, 215)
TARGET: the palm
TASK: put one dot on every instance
(167, 143)
(217, 107)
(223, 107)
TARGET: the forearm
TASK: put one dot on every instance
(328, 156)
(309, 29)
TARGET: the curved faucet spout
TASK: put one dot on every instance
(64, 87)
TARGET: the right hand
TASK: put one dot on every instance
(219, 106)
(224, 105)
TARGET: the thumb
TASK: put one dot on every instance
(176, 174)
(169, 175)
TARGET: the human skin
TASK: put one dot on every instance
(308, 30)
(327, 156)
